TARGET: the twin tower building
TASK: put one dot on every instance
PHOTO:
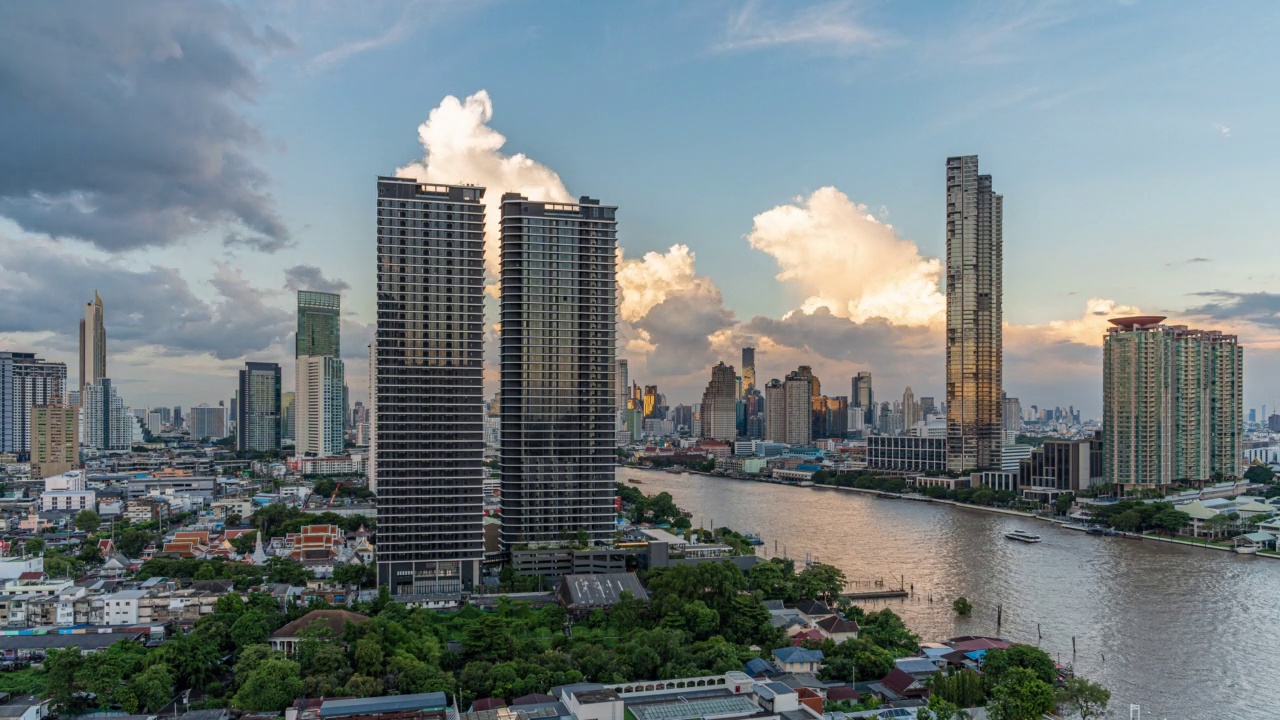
(557, 309)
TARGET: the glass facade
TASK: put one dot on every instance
(428, 446)
(974, 318)
(319, 323)
(558, 311)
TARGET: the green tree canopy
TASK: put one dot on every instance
(88, 521)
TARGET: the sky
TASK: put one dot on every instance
(779, 169)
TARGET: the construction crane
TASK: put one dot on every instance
(336, 486)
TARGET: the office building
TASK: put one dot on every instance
(428, 391)
(651, 403)
(318, 412)
(55, 440)
(748, 370)
(1273, 423)
(288, 415)
(910, 409)
(26, 381)
(93, 343)
(863, 398)
(1012, 414)
(558, 312)
(1172, 404)
(927, 408)
(258, 422)
(177, 418)
(107, 425)
(907, 452)
(319, 324)
(975, 312)
(719, 405)
(208, 422)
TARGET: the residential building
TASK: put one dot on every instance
(258, 421)
(1172, 403)
(320, 392)
(93, 344)
(26, 381)
(426, 370)
(775, 412)
(288, 415)
(208, 422)
(621, 384)
(719, 405)
(107, 425)
(1012, 414)
(864, 398)
(55, 440)
(974, 286)
(798, 413)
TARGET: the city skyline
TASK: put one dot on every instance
(857, 181)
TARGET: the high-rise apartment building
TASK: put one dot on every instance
(55, 440)
(748, 370)
(798, 407)
(558, 311)
(621, 382)
(864, 398)
(775, 411)
(258, 423)
(1172, 403)
(208, 422)
(93, 343)
(719, 405)
(288, 415)
(319, 376)
(26, 381)
(428, 388)
(1012, 419)
(177, 418)
(975, 304)
(106, 424)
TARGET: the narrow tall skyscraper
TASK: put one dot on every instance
(319, 376)
(258, 409)
(748, 370)
(974, 317)
(558, 311)
(428, 387)
(93, 343)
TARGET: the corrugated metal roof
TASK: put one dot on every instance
(392, 703)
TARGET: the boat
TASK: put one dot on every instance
(1095, 530)
(1247, 549)
(754, 539)
(1023, 536)
(633, 481)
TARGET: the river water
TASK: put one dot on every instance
(1184, 632)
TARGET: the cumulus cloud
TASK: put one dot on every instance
(838, 256)
(461, 148)
(310, 277)
(124, 126)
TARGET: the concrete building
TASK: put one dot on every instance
(775, 412)
(557, 352)
(748, 370)
(798, 409)
(1172, 403)
(427, 408)
(288, 415)
(864, 398)
(719, 405)
(1012, 414)
(974, 283)
(258, 419)
(910, 409)
(319, 387)
(106, 425)
(26, 381)
(55, 440)
(93, 343)
(208, 422)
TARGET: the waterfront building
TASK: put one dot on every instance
(208, 422)
(107, 425)
(836, 421)
(557, 354)
(906, 452)
(26, 381)
(719, 405)
(258, 422)
(797, 416)
(93, 343)
(1012, 455)
(428, 387)
(974, 317)
(1065, 465)
(1172, 403)
(55, 440)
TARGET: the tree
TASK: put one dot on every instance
(997, 663)
(1085, 698)
(1127, 521)
(940, 709)
(88, 521)
(1064, 502)
(153, 687)
(34, 546)
(1020, 695)
(244, 542)
(963, 688)
(272, 686)
(962, 606)
(486, 638)
(1259, 474)
(1171, 521)
(61, 668)
(821, 582)
(132, 542)
(251, 628)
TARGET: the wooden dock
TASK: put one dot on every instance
(876, 595)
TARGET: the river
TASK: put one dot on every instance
(1186, 633)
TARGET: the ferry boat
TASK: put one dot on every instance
(1023, 536)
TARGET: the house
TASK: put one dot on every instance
(580, 594)
(801, 637)
(482, 704)
(814, 610)
(798, 660)
(843, 693)
(533, 699)
(838, 629)
(286, 639)
(759, 668)
(920, 668)
(898, 685)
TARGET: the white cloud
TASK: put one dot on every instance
(1223, 130)
(398, 32)
(831, 26)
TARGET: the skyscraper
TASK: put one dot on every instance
(910, 409)
(428, 387)
(974, 315)
(55, 440)
(319, 374)
(558, 310)
(775, 411)
(798, 407)
(93, 343)
(1012, 414)
(25, 382)
(107, 424)
(748, 370)
(258, 424)
(288, 416)
(1172, 403)
(863, 397)
(208, 422)
(621, 383)
(719, 405)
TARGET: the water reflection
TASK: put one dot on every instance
(1187, 633)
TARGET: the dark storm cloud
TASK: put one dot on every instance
(1262, 308)
(310, 277)
(679, 328)
(46, 288)
(122, 122)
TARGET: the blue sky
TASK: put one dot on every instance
(1135, 144)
